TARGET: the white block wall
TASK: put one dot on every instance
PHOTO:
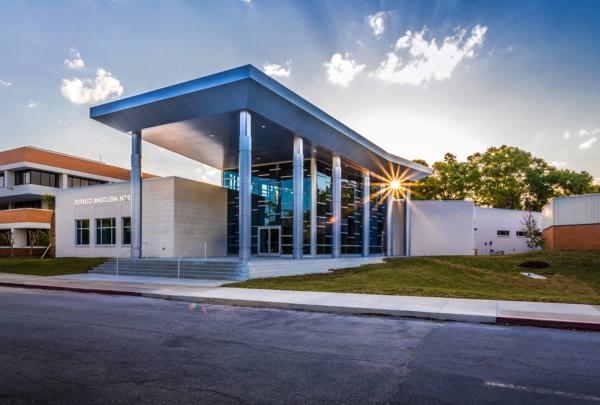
(442, 228)
(177, 215)
(489, 221)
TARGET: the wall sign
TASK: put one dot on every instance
(103, 200)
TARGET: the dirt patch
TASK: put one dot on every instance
(535, 264)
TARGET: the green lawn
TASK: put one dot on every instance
(48, 267)
(572, 277)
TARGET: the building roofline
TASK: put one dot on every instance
(249, 72)
(22, 154)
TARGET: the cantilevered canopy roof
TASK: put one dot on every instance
(199, 119)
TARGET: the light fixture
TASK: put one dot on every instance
(395, 184)
(211, 135)
(263, 126)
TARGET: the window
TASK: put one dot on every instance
(28, 204)
(502, 233)
(83, 182)
(2, 180)
(521, 234)
(126, 231)
(105, 231)
(82, 232)
(36, 177)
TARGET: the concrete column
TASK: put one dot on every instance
(245, 182)
(313, 207)
(336, 200)
(64, 180)
(389, 226)
(366, 219)
(407, 209)
(298, 221)
(9, 179)
(136, 194)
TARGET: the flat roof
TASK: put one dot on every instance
(199, 119)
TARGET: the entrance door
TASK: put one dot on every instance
(269, 240)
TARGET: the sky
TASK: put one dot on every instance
(418, 78)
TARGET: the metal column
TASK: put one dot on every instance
(313, 207)
(336, 200)
(366, 214)
(245, 186)
(298, 220)
(389, 225)
(136, 194)
(407, 208)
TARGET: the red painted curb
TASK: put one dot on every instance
(72, 289)
(549, 323)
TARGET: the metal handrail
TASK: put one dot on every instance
(119, 254)
(185, 254)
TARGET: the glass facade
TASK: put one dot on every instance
(324, 208)
(272, 204)
(351, 238)
(378, 208)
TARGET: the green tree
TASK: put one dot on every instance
(502, 177)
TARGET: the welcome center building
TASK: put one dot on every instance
(295, 181)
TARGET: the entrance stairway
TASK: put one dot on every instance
(189, 268)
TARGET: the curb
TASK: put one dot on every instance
(548, 323)
(504, 321)
(72, 289)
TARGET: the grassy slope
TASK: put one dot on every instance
(48, 267)
(573, 277)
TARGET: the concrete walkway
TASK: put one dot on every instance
(575, 316)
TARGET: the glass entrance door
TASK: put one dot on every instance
(269, 240)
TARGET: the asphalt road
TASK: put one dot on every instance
(58, 347)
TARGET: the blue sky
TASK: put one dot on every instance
(419, 78)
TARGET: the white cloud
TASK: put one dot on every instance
(421, 61)
(275, 70)
(567, 135)
(74, 61)
(558, 164)
(4, 83)
(31, 104)
(342, 69)
(82, 91)
(377, 22)
(588, 144)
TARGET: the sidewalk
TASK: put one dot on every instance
(576, 316)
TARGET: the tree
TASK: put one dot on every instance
(502, 177)
(34, 237)
(450, 181)
(532, 231)
(7, 238)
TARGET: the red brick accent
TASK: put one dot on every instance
(21, 252)
(63, 161)
(572, 237)
(25, 215)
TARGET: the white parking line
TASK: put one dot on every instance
(547, 391)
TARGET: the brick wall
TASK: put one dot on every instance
(572, 237)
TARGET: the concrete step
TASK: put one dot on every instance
(198, 269)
